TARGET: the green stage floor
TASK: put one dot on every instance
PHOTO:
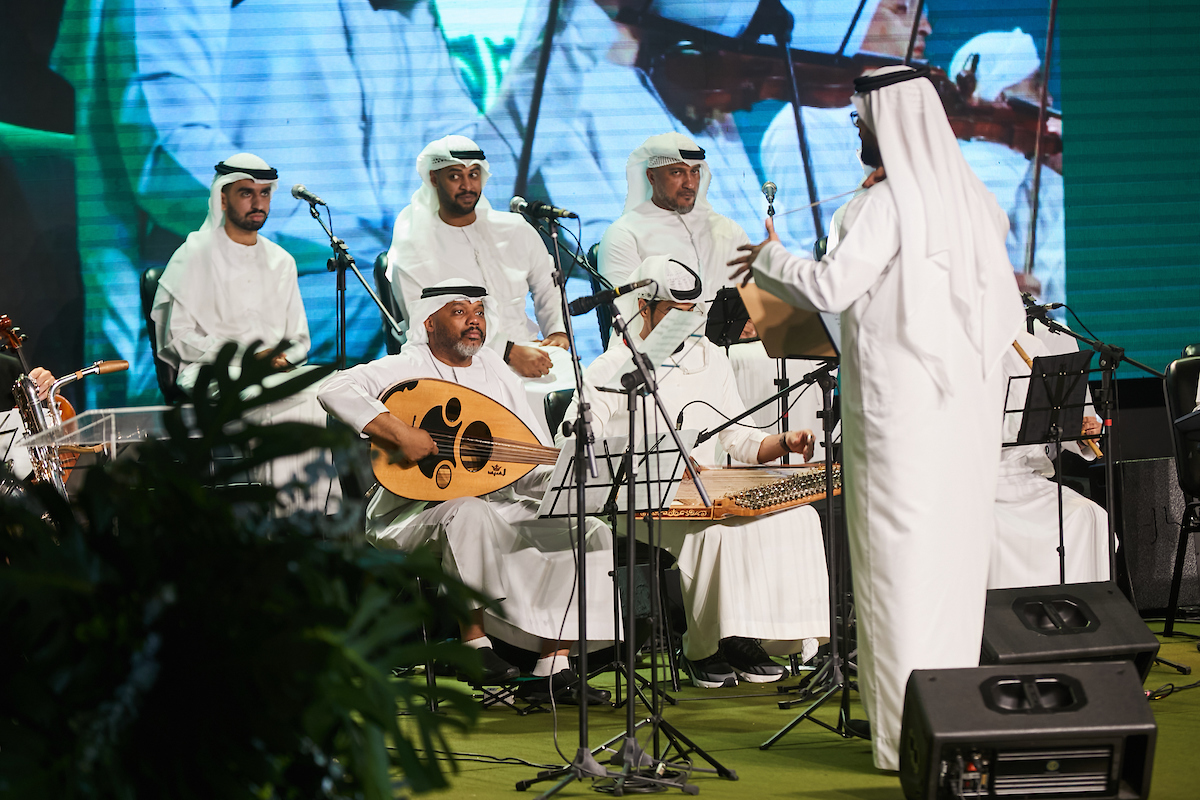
(810, 762)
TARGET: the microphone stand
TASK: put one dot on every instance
(1111, 357)
(584, 765)
(340, 262)
(772, 18)
(642, 772)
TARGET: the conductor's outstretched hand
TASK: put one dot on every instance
(744, 263)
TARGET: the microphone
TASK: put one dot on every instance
(583, 305)
(300, 193)
(536, 208)
(1031, 304)
(768, 190)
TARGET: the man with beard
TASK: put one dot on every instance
(928, 310)
(450, 230)
(667, 213)
(230, 283)
(495, 543)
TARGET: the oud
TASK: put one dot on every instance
(482, 446)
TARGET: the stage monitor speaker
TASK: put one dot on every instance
(1025, 731)
(1072, 622)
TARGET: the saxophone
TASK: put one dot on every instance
(38, 416)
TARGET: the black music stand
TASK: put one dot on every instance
(1054, 404)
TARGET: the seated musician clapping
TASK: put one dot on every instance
(770, 570)
(494, 543)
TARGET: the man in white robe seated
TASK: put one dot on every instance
(745, 580)
(450, 230)
(1025, 552)
(928, 311)
(494, 543)
(667, 213)
(228, 282)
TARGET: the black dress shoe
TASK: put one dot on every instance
(859, 727)
(564, 685)
(494, 669)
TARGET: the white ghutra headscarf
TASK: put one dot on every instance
(1005, 58)
(953, 263)
(434, 298)
(238, 167)
(416, 225)
(659, 151)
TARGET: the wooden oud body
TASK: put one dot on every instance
(482, 446)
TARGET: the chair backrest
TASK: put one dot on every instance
(556, 408)
(164, 372)
(383, 287)
(1182, 376)
(603, 313)
(1191, 350)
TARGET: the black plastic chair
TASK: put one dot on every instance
(556, 404)
(603, 313)
(1182, 376)
(383, 287)
(164, 372)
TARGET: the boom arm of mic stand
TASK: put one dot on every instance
(808, 379)
(647, 377)
(342, 255)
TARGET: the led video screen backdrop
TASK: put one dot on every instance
(341, 95)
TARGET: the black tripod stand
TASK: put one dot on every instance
(832, 677)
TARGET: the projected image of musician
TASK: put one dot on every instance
(770, 570)
(334, 93)
(493, 543)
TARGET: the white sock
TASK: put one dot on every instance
(550, 665)
(481, 642)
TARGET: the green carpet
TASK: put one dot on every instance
(809, 762)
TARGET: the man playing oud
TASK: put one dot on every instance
(494, 543)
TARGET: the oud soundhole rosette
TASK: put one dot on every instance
(476, 448)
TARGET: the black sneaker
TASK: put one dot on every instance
(712, 672)
(750, 661)
(494, 669)
(565, 687)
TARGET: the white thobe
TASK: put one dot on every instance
(919, 467)
(759, 577)
(214, 291)
(1025, 549)
(503, 254)
(495, 543)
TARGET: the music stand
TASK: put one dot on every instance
(1054, 402)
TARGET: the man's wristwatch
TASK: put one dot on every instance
(508, 351)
